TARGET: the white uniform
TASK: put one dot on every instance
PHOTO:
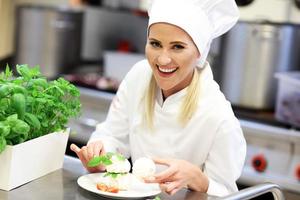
(212, 139)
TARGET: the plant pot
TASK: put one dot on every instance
(32, 159)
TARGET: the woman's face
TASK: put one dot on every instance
(172, 55)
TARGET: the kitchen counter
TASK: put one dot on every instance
(62, 185)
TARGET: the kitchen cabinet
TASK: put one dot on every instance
(6, 28)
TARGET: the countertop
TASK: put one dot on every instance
(62, 185)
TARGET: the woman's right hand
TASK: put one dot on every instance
(86, 153)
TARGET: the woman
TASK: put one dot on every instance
(170, 108)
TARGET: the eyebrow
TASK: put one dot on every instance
(173, 42)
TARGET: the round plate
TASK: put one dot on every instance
(139, 190)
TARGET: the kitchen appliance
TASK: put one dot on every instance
(251, 53)
(49, 37)
(294, 11)
(288, 98)
(103, 30)
(273, 155)
(270, 10)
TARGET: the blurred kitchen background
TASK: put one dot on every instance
(93, 43)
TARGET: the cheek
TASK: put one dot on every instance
(188, 61)
(147, 52)
(150, 54)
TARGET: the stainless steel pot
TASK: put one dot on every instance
(251, 54)
(49, 37)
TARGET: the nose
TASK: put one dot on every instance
(163, 59)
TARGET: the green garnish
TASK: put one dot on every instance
(99, 160)
(157, 198)
(104, 159)
(113, 174)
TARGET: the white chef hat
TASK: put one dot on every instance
(203, 20)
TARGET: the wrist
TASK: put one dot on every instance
(199, 182)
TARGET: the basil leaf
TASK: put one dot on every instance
(95, 161)
(4, 129)
(2, 144)
(18, 103)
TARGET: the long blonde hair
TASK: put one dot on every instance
(187, 109)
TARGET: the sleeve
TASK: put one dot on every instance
(226, 159)
(114, 131)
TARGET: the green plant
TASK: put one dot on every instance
(31, 106)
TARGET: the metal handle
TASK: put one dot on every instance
(255, 191)
(88, 122)
(60, 24)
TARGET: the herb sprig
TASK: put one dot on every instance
(31, 106)
(104, 159)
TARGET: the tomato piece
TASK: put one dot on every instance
(102, 187)
(113, 189)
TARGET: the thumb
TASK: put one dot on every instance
(75, 148)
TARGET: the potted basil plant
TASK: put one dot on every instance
(34, 113)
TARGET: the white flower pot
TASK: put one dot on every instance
(32, 159)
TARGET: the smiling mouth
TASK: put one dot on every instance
(166, 70)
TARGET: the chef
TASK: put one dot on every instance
(169, 107)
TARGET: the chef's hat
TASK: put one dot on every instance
(203, 20)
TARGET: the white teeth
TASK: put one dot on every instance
(167, 70)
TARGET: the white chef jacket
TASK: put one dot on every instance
(212, 139)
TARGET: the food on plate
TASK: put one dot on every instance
(105, 188)
(117, 177)
(119, 164)
(143, 167)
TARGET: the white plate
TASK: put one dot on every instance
(140, 189)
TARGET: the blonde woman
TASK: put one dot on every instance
(169, 107)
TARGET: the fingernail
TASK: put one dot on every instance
(150, 178)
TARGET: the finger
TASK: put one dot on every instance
(150, 179)
(80, 155)
(97, 149)
(163, 187)
(90, 151)
(161, 161)
(75, 148)
(84, 153)
(174, 191)
(165, 175)
(102, 151)
(172, 186)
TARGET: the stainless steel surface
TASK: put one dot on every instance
(62, 185)
(252, 53)
(279, 149)
(258, 190)
(49, 37)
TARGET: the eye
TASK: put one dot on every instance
(178, 46)
(155, 44)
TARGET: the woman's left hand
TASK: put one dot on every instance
(178, 175)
